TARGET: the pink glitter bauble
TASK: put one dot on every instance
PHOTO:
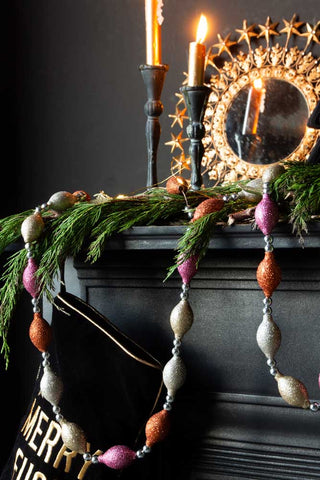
(266, 214)
(30, 281)
(118, 457)
(188, 268)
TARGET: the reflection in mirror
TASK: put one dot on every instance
(266, 121)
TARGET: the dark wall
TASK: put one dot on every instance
(73, 95)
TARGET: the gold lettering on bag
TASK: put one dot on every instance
(48, 441)
(31, 419)
(68, 454)
(38, 430)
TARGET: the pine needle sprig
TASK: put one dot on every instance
(299, 187)
(10, 292)
(198, 234)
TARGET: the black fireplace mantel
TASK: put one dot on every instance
(232, 422)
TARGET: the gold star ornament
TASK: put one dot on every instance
(224, 44)
(312, 34)
(268, 30)
(246, 33)
(176, 141)
(178, 117)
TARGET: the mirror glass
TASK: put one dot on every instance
(266, 121)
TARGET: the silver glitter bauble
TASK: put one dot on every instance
(174, 374)
(73, 437)
(51, 386)
(272, 172)
(32, 227)
(252, 191)
(61, 201)
(181, 318)
(268, 336)
(292, 391)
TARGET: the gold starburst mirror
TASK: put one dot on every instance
(264, 85)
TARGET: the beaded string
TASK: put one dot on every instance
(51, 387)
(292, 390)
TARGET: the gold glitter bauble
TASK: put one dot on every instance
(181, 318)
(272, 172)
(32, 227)
(292, 391)
(73, 437)
(157, 427)
(268, 274)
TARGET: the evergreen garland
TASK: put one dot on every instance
(86, 226)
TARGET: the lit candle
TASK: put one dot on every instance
(197, 53)
(255, 104)
(154, 19)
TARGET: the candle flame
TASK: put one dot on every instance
(202, 29)
(258, 83)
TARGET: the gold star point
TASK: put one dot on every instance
(178, 117)
(291, 27)
(246, 33)
(268, 30)
(176, 141)
(224, 44)
(180, 163)
(311, 34)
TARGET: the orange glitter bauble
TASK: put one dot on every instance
(40, 333)
(268, 274)
(157, 427)
(81, 196)
(176, 185)
(208, 206)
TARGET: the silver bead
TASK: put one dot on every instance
(45, 355)
(181, 318)
(167, 406)
(94, 459)
(174, 375)
(273, 371)
(267, 310)
(268, 238)
(267, 301)
(271, 362)
(175, 351)
(234, 196)
(56, 409)
(36, 309)
(268, 248)
(265, 187)
(140, 454)
(87, 457)
(314, 406)
(73, 437)
(226, 198)
(45, 363)
(169, 398)
(59, 417)
(44, 206)
(146, 449)
(268, 337)
(51, 386)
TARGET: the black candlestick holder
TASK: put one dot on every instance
(196, 98)
(153, 77)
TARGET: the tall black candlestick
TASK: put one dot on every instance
(196, 98)
(153, 77)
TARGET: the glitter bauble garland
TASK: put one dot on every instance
(157, 427)
(268, 336)
(181, 319)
